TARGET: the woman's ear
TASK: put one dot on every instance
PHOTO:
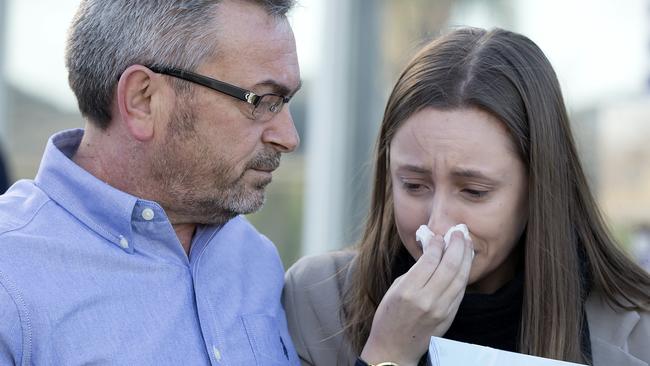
(135, 91)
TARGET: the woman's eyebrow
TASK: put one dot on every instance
(471, 173)
(414, 168)
(456, 173)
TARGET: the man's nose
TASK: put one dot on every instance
(281, 132)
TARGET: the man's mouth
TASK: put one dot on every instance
(264, 169)
(265, 163)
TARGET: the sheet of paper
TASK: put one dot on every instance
(445, 352)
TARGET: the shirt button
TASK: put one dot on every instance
(217, 354)
(147, 214)
(123, 242)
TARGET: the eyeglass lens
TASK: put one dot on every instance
(268, 106)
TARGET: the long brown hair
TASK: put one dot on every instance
(568, 251)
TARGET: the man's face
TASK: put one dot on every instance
(215, 160)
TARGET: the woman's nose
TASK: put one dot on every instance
(440, 217)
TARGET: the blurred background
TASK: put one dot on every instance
(351, 53)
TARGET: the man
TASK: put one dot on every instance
(127, 248)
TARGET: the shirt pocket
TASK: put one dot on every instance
(269, 347)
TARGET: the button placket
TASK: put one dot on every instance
(216, 353)
(124, 243)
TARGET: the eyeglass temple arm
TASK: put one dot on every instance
(233, 91)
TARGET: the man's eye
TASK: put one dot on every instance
(264, 105)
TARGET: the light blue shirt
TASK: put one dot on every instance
(92, 275)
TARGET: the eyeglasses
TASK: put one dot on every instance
(264, 106)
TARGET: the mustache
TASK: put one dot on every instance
(267, 160)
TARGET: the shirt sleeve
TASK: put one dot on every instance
(10, 330)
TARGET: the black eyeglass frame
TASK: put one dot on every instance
(217, 85)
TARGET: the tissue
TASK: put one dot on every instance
(424, 235)
(460, 227)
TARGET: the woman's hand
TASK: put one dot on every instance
(421, 303)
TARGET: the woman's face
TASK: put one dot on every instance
(460, 166)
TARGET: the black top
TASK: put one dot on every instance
(487, 320)
(491, 320)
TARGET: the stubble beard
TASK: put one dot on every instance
(195, 188)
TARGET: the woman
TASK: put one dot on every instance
(475, 132)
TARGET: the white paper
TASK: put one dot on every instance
(445, 352)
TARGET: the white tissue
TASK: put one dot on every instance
(424, 236)
(460, 227)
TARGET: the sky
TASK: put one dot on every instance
(35, 41)
(599, 48)
(37, 32)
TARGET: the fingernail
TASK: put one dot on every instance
(440, 241)
(460, 227)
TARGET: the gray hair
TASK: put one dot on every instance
(108, 36)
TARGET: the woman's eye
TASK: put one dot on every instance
(413, 187)
(474, 193)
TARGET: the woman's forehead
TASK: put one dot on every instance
(469, 136)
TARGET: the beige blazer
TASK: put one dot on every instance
(312, 300)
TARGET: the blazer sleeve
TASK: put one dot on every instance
(294, 306)
(312, 301)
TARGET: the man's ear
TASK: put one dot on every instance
(135, 92)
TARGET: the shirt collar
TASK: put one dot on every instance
(104, 209)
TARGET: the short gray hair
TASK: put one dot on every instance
(108, 36)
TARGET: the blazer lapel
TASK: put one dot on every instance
(610, 330)
(607, 354)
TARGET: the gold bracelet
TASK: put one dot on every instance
(361, 362)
